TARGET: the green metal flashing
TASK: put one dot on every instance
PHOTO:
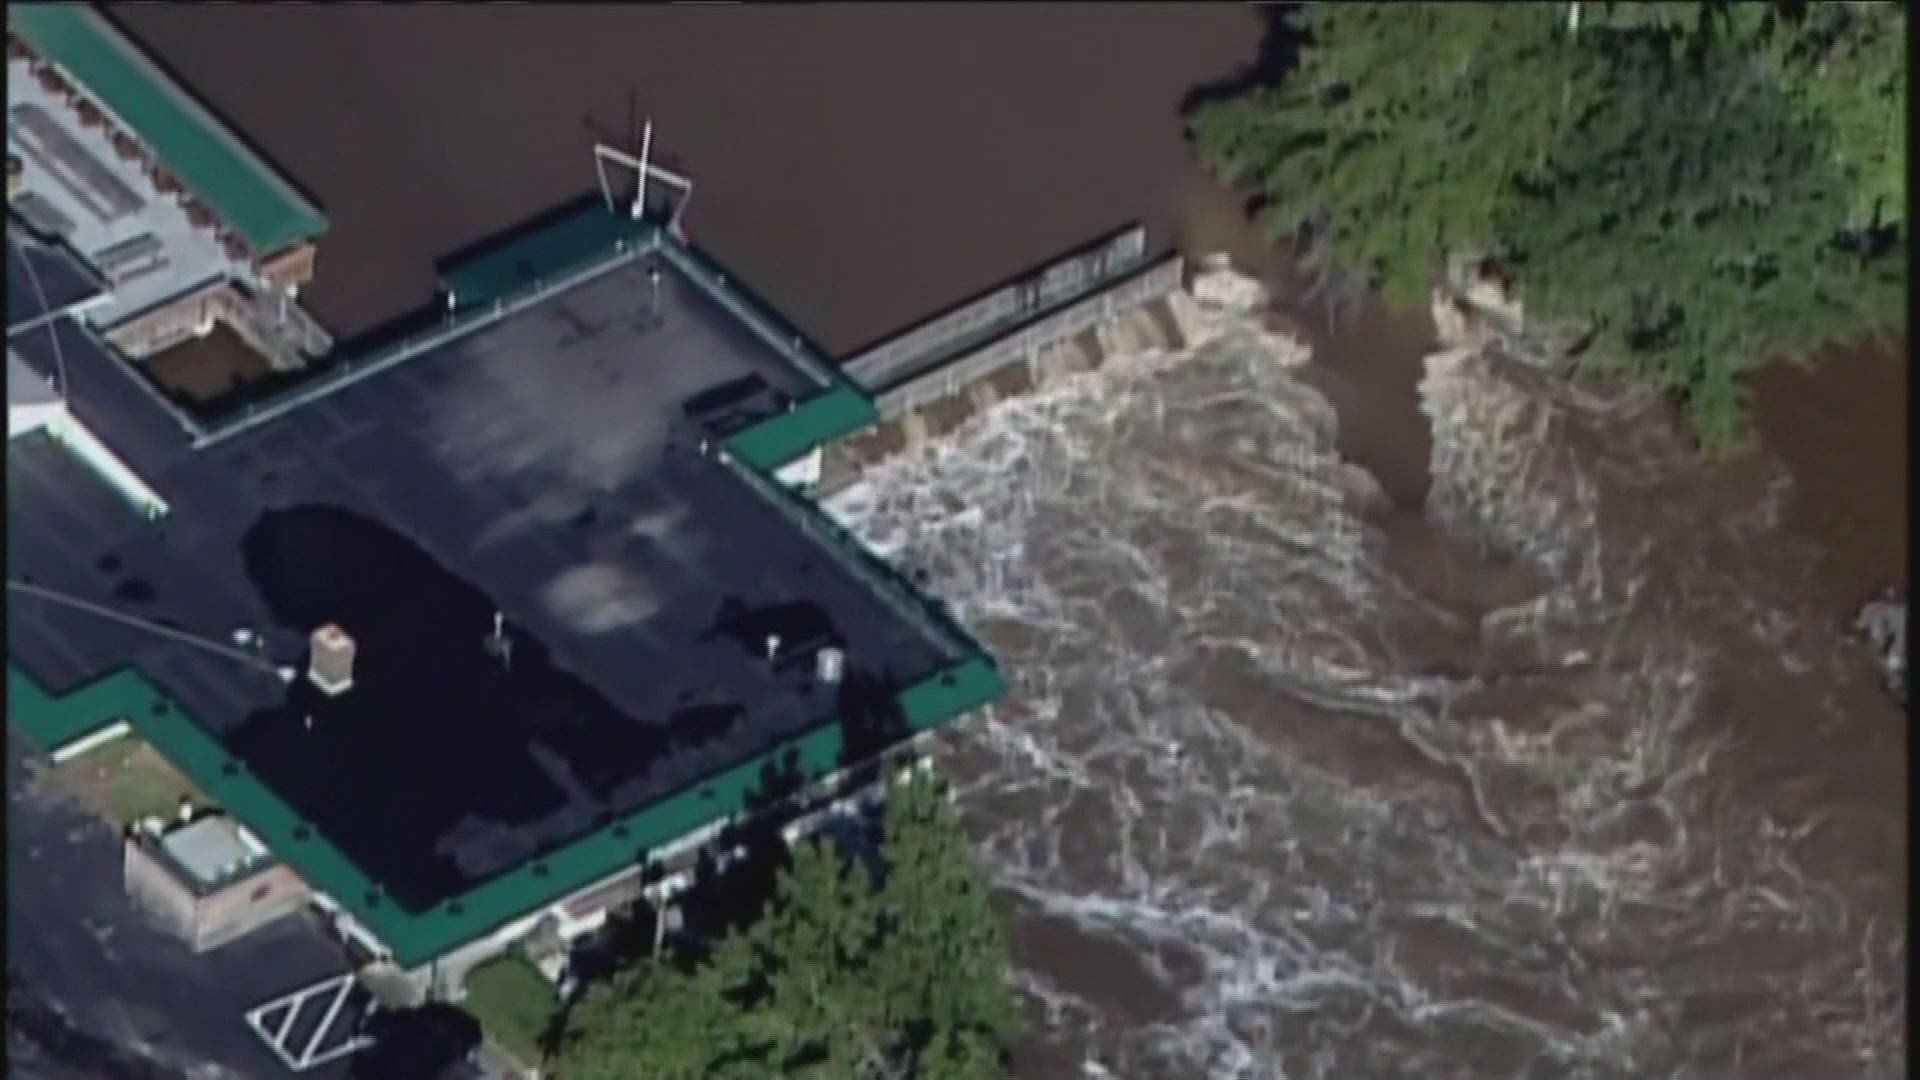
(816, 421)
(552, 252)
(264, 209)
(51, 720)
(484, 288)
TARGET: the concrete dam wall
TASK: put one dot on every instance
(1060, 318)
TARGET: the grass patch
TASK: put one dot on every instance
(513, 1002)
(127, 779)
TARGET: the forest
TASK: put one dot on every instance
(892, 967)
(1695, 188)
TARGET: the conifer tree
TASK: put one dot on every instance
(941, 968)
(843, 977)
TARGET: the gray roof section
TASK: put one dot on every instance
(106, 394)
(44, 280)
(106, 208)
(26, 386)
(209, 849)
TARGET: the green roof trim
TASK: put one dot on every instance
(51, 720)
(819, 420)
(568, 244)
(248, 195)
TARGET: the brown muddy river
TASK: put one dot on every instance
(1289, 785)
(1295, 783)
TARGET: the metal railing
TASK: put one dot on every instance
(926, 614)
(456, 324)
(932, 343)
(786, 341)
(275, 322)
(1023, 343)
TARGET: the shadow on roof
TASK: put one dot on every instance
(444, 723)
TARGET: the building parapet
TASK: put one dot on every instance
(927, 615)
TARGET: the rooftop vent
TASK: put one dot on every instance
(829, 666)
(330, 666)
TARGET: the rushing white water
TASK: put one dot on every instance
(1261, 826)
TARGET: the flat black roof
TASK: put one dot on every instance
(546, 467)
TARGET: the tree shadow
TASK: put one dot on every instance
(425, 1041)
(626, 939)
(871, 723)
(1281, 38)
(734, 877)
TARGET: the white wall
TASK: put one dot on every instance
(803, 472)
(22, 419)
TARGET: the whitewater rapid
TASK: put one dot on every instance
(1266, 807)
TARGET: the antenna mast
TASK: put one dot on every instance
(644, 172)
(640, 188)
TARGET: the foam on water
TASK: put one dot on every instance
(1334, 856)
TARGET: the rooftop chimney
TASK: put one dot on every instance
(829, 666)
(330, 666)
